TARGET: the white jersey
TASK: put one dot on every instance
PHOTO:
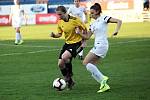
(77, 12)
(17, 14)
(99, 29)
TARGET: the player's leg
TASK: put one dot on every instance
(90, 61)
(81, 53)
(69, 67)
(73, 49)
(69, 75)
(61, 62)
(18, 39)
(66, 56)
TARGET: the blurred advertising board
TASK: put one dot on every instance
(125, 15)
(30, 19)
(112, 4)
(35, 8)
(28, 8)
(46, 18)
(4, 20)
(5, 10)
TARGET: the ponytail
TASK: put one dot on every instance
(97, 7)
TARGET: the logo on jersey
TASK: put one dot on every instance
(70, 49)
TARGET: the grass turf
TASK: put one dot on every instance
(28, 70)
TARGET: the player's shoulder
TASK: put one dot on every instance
(73, 18)
(105, 16)
(81, 7)
(12, 6)
(72, 7)
(59, 22)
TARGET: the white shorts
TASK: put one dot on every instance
(100, 50)
(16, 23)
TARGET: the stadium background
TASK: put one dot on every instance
(43, 11)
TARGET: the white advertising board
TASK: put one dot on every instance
(5, 10)
(35, 8)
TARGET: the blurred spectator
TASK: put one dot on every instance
(146, 5)
(42, 1)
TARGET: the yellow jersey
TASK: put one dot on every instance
(67, 28)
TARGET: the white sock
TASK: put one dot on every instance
(81, 53)
(96, 74)
(17, 36)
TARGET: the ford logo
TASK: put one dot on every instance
(37, 9)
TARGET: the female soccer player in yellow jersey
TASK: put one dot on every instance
(17, 12)
(67, 25)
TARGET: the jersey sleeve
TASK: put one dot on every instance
(84, 9)
(80, 23)
(69, 10)
(11, 10)
(106, 19)
(91, 28)
(59, 29)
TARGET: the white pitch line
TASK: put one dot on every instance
(132, 41)
(32, 52)
(29, 46)
(56, 48)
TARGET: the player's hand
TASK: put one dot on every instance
(52, 34)
(77, 30)
(85, 21)
(114, 34)
(9, 21)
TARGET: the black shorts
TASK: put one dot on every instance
(74, 49)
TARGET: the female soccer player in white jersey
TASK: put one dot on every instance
(100, 48)
(80, 12)
(16, 17)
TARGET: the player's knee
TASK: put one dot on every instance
(18, 30)
(61, 64)
(84, 62)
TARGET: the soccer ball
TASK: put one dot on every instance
(59, 84)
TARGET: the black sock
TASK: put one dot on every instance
(64, 71)
(69, 68)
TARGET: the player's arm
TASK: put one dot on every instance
(86, 16)
(60, 31)
(10, 16)
(69, 11)
(25, 16)
(118, 22)
(86, 34)
(55, 35)
(83, 32)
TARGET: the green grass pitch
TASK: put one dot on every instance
(27, 71)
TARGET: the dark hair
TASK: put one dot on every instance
(97, 7)
(61, 8)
